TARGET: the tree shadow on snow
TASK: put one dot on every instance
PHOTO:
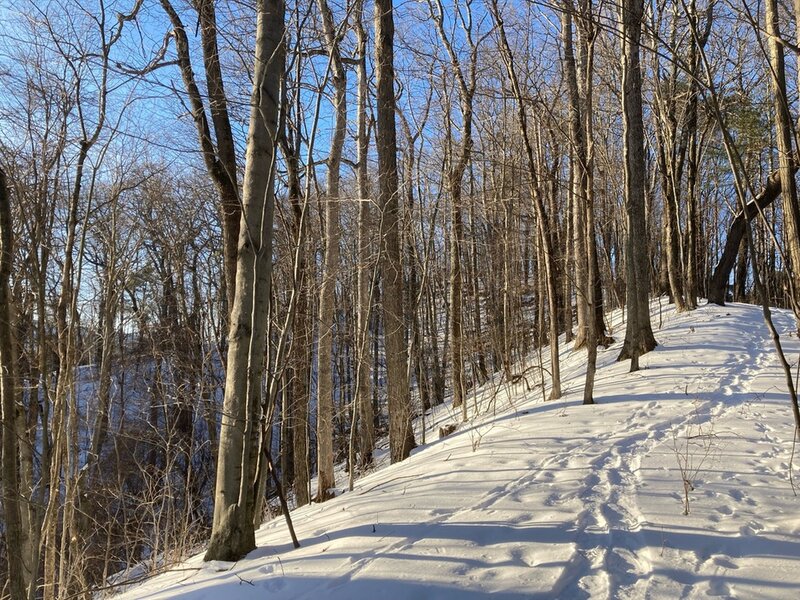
(276, 575)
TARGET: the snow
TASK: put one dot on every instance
(559, 500)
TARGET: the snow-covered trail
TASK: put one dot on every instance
(559, 500)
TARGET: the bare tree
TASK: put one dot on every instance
(784, 134)
(401, 436)
(365, 225)
(333, 229)
(217, 148)
(580, 128)
(233, 533)
(14, 534)
(542, 220)
(639, 337)
(466, 82)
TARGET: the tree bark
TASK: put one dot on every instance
(12, 508)
(365, 266)
(543, 223)
(784, 134)
(718, 286)
(233, 532)
(639, 337)
(299, 359)
(691, 268)
(401, 436)
(458, 163)
(327, 297)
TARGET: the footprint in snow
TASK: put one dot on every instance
(521, 518)
(625, 566)
(720, 588)
(737, 495)
(721, 560)
(752, 528)
(553, 500)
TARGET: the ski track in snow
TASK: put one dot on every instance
(556, 500)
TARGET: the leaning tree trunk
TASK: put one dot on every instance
(718, 286)
(542, 221)
(218, 151)
(233, 532)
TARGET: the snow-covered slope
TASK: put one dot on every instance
(560, 500)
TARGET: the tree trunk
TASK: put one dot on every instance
(456, 296)
(365, 264)
(14, 535)
(718, 286)
(458, 165)
(784, 133)
(233, 532)
(220, 162)
(482, 375)
(327, 297)
(639, 337)
(299, 359)
(542, 221)
(691, 268)
(583, 183)
(579, 176)
(740, 275)
(401, 436)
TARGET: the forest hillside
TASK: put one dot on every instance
(254, 254)
(536, 499)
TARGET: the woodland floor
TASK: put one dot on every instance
(534, 499)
